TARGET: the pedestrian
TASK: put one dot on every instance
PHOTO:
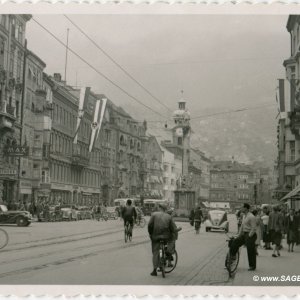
(247, 236)
(266, 235)
(291, 228)
(172, 242)
(240, 216)
(160, 227)
(276, 228)
(192, 216)
(197, 219)
(255, 213)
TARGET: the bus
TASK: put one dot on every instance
(151, 205)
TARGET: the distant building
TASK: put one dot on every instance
(232, 182)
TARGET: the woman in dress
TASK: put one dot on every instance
(266, 235)
(291, 226)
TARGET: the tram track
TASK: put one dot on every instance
(113, 246)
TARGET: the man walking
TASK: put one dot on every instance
(160, 227)
(247, 236)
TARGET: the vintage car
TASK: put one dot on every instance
(69, 213)
(112, 213)
(21, 218)
(216, 220)
(84, 213)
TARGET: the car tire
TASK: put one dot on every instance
(28, 223)
(207, 229)
(21, 221)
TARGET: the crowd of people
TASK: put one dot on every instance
(269, 225)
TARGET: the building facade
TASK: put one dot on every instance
(232, 182)
(12, 52)
(288, 137)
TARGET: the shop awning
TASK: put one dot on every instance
(291, 194)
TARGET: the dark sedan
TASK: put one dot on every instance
(21, 218)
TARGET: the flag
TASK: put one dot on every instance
(84, 94)
(95, 125)
(97, 121)
(281, 95)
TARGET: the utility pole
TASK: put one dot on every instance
(66, 60)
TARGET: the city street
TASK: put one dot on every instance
(91, 252)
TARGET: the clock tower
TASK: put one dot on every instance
(181, 133)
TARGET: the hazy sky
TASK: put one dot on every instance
(221, 62)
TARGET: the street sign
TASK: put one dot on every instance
(16, 150)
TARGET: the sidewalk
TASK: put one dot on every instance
(287, 265)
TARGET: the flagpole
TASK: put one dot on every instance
(66, 60)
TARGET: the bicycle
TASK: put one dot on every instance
(141, 222)
(128, 232)
(231, 263)
(167, 262)
(3, 238)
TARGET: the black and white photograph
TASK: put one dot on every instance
(150, 149)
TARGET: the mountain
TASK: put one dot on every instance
(247, 136)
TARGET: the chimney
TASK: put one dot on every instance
(57, 77)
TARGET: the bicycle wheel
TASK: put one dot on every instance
(3, 238)
(162, 262)
(126, 234)
(170, 265)
(142, 222)
(232, 264)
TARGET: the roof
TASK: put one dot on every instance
(230, 166)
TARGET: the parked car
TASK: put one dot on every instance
(216, 220)
(21, 218)
(112, 213)
(84, 213)
(69, 213)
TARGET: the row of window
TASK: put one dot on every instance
(64, 173)
(167, 181)
(167, 168)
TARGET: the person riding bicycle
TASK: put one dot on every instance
(160, 227)
(129, 215)
(198, 218)
(172, 242)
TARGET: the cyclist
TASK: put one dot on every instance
(129, 215)
(160, 227)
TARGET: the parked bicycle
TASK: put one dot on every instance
(128, 232)
(231, 263)
(167, 262)
(3, 238)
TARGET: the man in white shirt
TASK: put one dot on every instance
(247, 236)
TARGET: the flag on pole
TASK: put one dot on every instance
(84, 94)
(97, 121)
(95, 124)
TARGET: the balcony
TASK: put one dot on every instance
(79, 161)
(7, 115)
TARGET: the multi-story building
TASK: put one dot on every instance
(36, 124)
(232, 182)
(126, 153)
(153, 158)
(12, 51)
(288, 160)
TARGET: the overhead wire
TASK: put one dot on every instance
(96, 70)
(116, 63)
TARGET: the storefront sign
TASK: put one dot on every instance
(8, 172)
(16, 151)
(25, 186)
